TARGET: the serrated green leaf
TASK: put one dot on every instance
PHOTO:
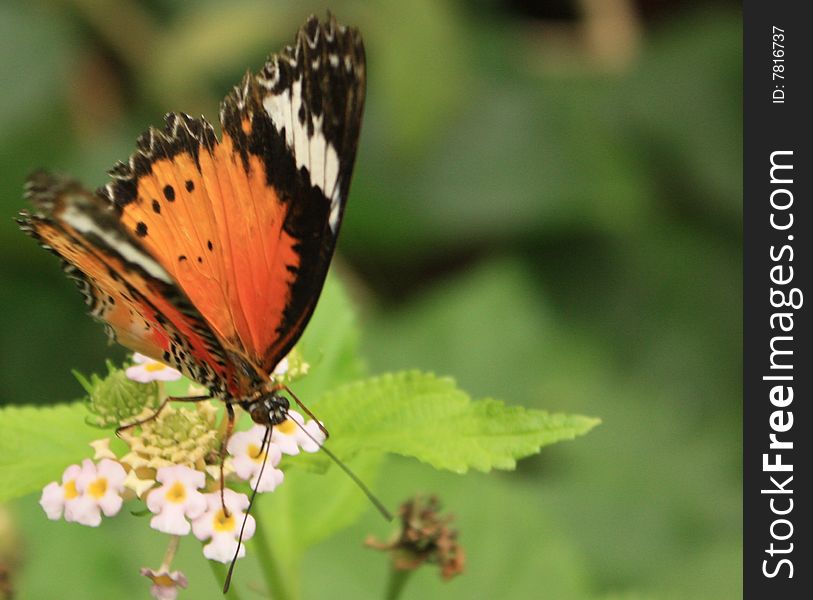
(36, 444)
(427, 417)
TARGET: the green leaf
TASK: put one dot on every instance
(426, 417)
(412, 414)
(36, 444)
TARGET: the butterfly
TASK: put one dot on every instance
(209, 254)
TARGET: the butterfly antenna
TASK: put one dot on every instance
(376, 502)
(309, 413)
(265, 446)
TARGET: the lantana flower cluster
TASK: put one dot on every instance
(173, 464)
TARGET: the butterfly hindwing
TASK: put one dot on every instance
(122, 285)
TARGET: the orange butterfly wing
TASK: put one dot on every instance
(122, 285)
(247, 225)
(232, 239)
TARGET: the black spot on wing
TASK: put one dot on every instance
(181, 134)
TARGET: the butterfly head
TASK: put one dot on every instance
(268, 409)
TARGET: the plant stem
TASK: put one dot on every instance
(396, 583)
(270, 567)
(172, 548)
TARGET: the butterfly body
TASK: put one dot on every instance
(207, 253)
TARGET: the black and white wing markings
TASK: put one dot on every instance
(313, 93)
(301, 115)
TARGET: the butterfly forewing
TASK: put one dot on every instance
(222, 246)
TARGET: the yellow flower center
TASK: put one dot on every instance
(255, 453)
(177, 493)
(70, 489)
(154, 366)
(224, 523)
(98, 488)
(287, 427)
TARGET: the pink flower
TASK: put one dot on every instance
(281, 368)
(177, 499)
(165, 584)
(86, 492)
(294, 433)
(146, 370)
(57, 499)
(224, 530)
(248, 458)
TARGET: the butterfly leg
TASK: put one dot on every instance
(157, 412)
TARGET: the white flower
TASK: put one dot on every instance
(281, 368)
(58, 498)
(165, 584)
(248, 457)
(101, 486)
(86, 492)
(290, 437)
(146, 370)
(224, 530)
(177, 499)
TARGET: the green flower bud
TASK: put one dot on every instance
(116, 400)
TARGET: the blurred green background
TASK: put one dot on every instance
(547, 206)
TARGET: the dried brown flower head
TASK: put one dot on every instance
(424, 537)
